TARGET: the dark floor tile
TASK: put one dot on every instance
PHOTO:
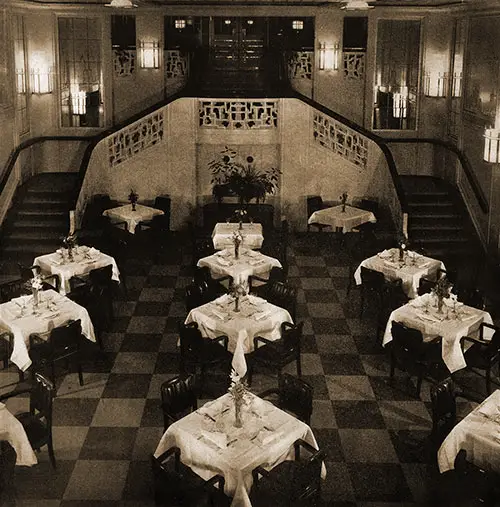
(120, 324)
(89, 503)
(330, 326)
(161, 281)
(358, 414)
(320, 296)
(308, 344)
(139, 482)
(73, 411)
(368, 344)
(412, 446)
(172, 324)
(167, 362)
(379, 482)
(313, 271)
(320, 389)
(141, 343)
(103, 443)
(152, 414)
(124, 385)
(397, 390)
(342, 364)
(152, 308)
(329, 442)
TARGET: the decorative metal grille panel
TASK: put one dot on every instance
(136, 138)
(175, 64)
(241, 115)
(354, 65)
(300, 65)
(340, 139)
(124, 62)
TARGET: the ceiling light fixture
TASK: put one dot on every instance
(121, 4)
(357, 5)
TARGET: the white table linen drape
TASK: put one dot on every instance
(222, 235)
(126, 214)
(346, 220)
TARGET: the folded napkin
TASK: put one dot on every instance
(426, 316)
(93, 251)
(261, 315)
(254, 300)
(216, 437)
(223, 300)
(216, 312)
(417, 303)
(490, 410)
(254, 262)
(223, 262)
(252, 253)
(391, 264)
(223, 253)
(467, 316)
(385, 254)
(270, 437)
(51, 315)
(425, 264)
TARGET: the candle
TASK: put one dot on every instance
(71, 222)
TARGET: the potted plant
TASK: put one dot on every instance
(232, 176)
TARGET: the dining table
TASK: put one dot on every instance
(13, 432)
(211, 444)
(455, 321)
(22, 317)
(255, 317)
(132, 216)
(478, 433)
(343, 218)
(249, 262)
(409, 269)
(222, 235)
(84, 259)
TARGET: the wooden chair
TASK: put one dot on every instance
(275, 275)
(294, 395)
(178, 397)
(372, 288)
(48, 281)
(62, 343)
(283, 295)
(214, 285)
(8, 458)
(275, 355)
(195, 350)
(38, 421)
(197, 294)
(291, 483)
(175, 484)
(12, 289)
(6, 348)
(483, 354)
(410, 353)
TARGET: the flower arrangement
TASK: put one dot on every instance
(343, 200)
(133, 197)
(69, 243)
(233, 176)
(441, 290)
(36, 284)
(240, 214)
(239, 393)
(403, 247)
(237, 240)
(237, 290)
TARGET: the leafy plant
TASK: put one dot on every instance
(241, 178)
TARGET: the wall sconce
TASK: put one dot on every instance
(20, 81)
(492, 145)
(41, 81)
(78, 102)
(150, 55)
(400, 103)
(456, 85)
(435, 85)
(328, 56)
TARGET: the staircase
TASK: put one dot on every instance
(38, 219)
(438, 220)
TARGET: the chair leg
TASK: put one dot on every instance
(361, 302)
(52, 457)
(80, 374)
(299, 367)
(488, 380)
(53, 372)
(419, 383)
(249, 374)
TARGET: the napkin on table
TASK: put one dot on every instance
(252, 253)
(254, 300)
(223, 262)
(270, 437)
(385, 254)
(430, 318)
(391, 264)
(254, 262)
(262, 315)
(216, 437)
(216, 312)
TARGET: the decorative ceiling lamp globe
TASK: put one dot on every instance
(357, 5)
(122, 4)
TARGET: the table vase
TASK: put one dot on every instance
(343, 207)
(133, 206)
(240, 226)
(401, 254)
(237, 304)
(238, 422)
(36, 298)
(440, 304)
(236, 250)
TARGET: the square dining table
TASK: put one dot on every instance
(479, 434)
(13, 432)
(410, 269)
(342, 220)
(132, 217)
(222, 235)
(256, 317)
(20, 317)
(210, 444)
(84, 260)
(456, 321)
(249, 262)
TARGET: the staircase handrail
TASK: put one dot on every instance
(462, 157)
(379, 141)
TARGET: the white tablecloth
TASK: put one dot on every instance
(249, 262)
(465, 322)
(222, 235)
(61, 310)
(479, 434)
(413, 267)
(84, 260)
(256, 317)
(125, 214)
(211, 448)
(345, 220)
(12, 431)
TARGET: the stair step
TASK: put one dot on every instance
(41, 223)
(436, 226)
(415, 206)
(35, 214)
(30, 234)
(44, 206)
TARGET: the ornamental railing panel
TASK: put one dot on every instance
(354, 64)
(238, 114)
(124, 62)
(176, 64)
(340, 139)
(300, 65)
(136, 138)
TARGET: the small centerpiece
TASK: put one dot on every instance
(239, 392)
(237, 240)
(70, 243)
(237, 290)
(403, 247)
(36, 285)
(343, 200)
(441, 290)
(240, 214)
(133, 197)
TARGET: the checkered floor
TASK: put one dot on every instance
(375, 434)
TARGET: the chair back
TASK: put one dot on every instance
(314, 203)
(283, 295)
(296, 395)
(444, 409)
(178, 397)
(425, 286)
(408, 347)
(196, 295)
(101, 277)
(369, 205)
(471, 297)
(277, 275)
(28, 272)
(41, 395)
(191, 340)
(291, 335)
(66, 338)
(372, 279)
(12, 289)
(493, 348)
